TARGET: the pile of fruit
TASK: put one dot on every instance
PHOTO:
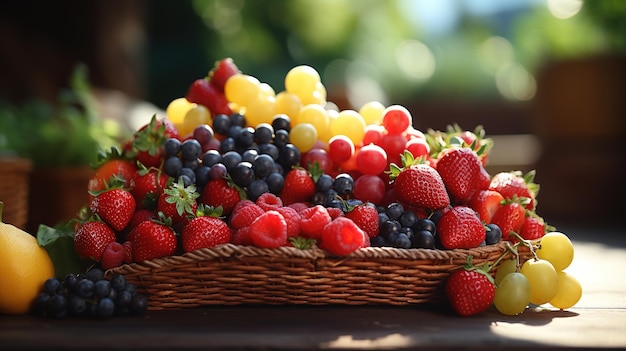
(235, 162)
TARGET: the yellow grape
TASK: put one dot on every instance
(349, 123)
(372, 112)
(313, 114)
(197, 115)
(569, 293)
(177, 109)
(288, 104)
(260, 110)
(557, 248)
(543, 280)
(314, 98)
(242, 88)
(266, 89)
(302, 80)
(303, 136)
(513, 294)
(505, 267)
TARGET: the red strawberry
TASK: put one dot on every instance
(313, 221)
(140, 216)
(128, 252)
(511, 184)
(178, 201)
(204, 93)
(460, 228)
(243, 216)
(147, 142)
(220, 192)
(92, 238)
(223, 70)
(486, 203)
(115, 207)
(470, 291)
(269, 201)
(533, 228)
(292, 218)
(204, 231)
(509, 217)
(113, 255)
(418, 184)
(150, 240)
(298, 186)
(365, 216)
(483, 179)
(459, 169)
(269, 230)
(342, 236)
(146, 187)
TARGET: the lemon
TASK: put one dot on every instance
(24, 267)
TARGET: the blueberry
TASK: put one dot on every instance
(493, 234)
(202, 176)
(211, 157)
(139, 304)
(237, 119)
(425, 224)
(190, 149)
(102, 288)
(242, 174)
(95, 274)
(423, 239)
(269, 149)
(394, 210)
(281, 138)
(264, 133)
(263, 165)
(85, 288)
(218, 171)
(408, 219)
(231, 159)
(221, 123)
(288, 156)
(188, 175)
(57, 306)
(275, 182)
(249, 155)
(172, 166)
(401, 241)
(106, 308)
(324, 183)
(118, 282)
(76, 305)
(171, 147)
(52, 285)
(343, 184)
(256, 188)
(244, 138)
(281, 122)
(227, 145)
(389, 227)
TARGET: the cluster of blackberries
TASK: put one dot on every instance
(89, 295)
(255, 159)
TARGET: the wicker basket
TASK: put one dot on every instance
(231, 275)
(14, 186)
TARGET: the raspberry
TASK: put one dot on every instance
(113, 255)
(243, 216)
(342, 236)
(269, 201)
(334, 212)
(313, 221)
(269, 230)
(293, 218)
(298, 206)
(241, 236)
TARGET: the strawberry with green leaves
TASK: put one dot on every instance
(417, 184)
(115, 206)
(202, 92)
(460, 228)
(534, 227)
(470, 290)
(221, 192)
(178, 201)
(205, 230)
(299, 186)
(510, 217)
(147, 185)
(147, 143)
(365, 216)
(515, 184)
(152, 239)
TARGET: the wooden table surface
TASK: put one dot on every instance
(597, 321)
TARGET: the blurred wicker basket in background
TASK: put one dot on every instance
(14, 189)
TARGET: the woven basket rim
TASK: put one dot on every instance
(228, 250)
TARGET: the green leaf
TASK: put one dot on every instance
(59, 243)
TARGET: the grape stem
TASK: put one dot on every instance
(526, 243)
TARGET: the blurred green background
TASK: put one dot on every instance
(549, 71)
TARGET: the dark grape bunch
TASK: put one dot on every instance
(255, 159)
(90, 295)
